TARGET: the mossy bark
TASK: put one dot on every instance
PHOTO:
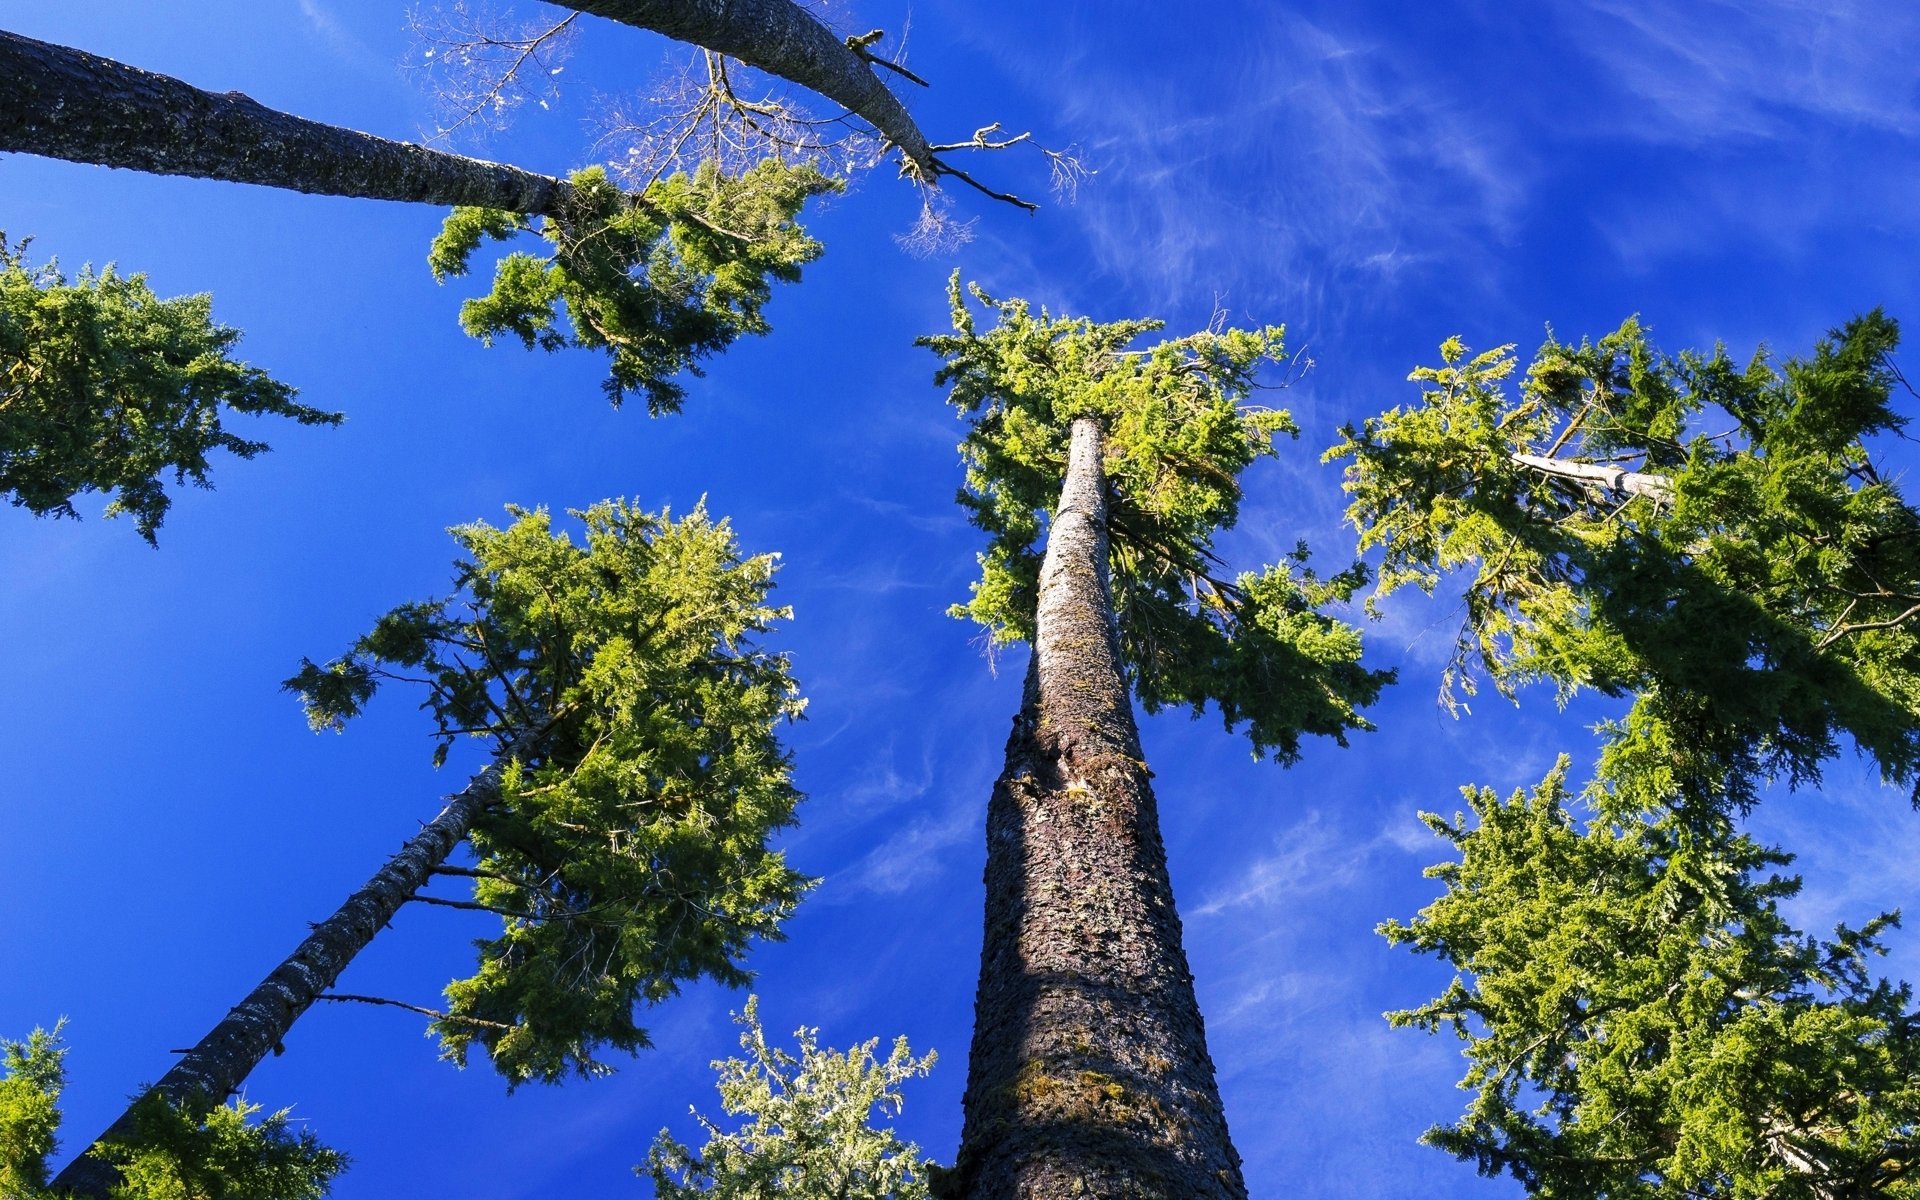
(216, 1066)
(63, 103)
(1089, 1073)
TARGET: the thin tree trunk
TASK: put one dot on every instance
(64, 103)
(1617, 479)
(781, 38)
(217, 1065)
(1089, 1073)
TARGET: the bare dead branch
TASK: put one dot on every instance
(436, 1014)
(485, 66)
(860, 45)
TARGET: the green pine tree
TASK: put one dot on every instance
(1711, 539)
(1715, 544)
(1102, 474)
(105, 387)
(1641, 1021)
(659, 280)
(167, 1153)
(621, 833)
(809, 1130)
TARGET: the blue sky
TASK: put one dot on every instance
(1377, 176)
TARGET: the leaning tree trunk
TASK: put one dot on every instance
(781, 38)
(216, 1066)
(1089, 1072)
(64, 103)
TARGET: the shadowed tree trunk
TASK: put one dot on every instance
(207, 1074)
(781, 38)
(68, 104)
(1089, 1072)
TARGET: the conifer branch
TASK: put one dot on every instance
(436, 1014)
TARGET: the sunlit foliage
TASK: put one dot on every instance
(1712, 539)
(629, 850)
(809, 1127)
(105, 387)
(1641, 1021)
(172, 1154)
(1179, 432)
(659, 280)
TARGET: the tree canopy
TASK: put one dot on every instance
(170, 1154)
(658, 280)
(1640, 1019)
(627, 853)
(809, 1127)
(1179, 432)
(105, 387)
(1709, 538)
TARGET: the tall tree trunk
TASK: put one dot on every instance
(64, 103)
(217, 1065)
(781, 38)
(1089, 1072)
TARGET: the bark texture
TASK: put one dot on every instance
(781, 38)
(221, 1061)
(64, 103)
(1089, 1073)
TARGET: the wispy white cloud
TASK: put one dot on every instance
(914, 856)
(344, 44)
(1873, 866)
(875, 579)
(1711, 71)
(945, 520)
(1310, 858)
(1359, 159)
(1421, 630)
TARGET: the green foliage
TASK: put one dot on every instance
(175, 1155)
(628, 852)
(171, 1154)
(1179, 433)
(29, 1110)
(809, 1130)
(105, 387)
(1759, 596)
(660, 280)
(1642, 1022)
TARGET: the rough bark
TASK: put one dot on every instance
(781, 38)
(1633, 483)
(1089, 1073)
(68, 104)
(221, 1061)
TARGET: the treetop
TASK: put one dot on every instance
(1710, 538)
(1178, 433)
(628, 851)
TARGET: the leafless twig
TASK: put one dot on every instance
(484, 65)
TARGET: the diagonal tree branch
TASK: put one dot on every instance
(781, 38)
(220, 1061)
(64, 103)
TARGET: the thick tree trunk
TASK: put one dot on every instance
(217, 1065)
(1089, 1073)
(67, 104)
(781, 38)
